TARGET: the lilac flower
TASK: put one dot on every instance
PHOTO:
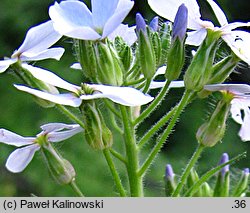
(237, 40)
(239, 104)
(21, 157)
(36, 46)
(73, 18)
(127, 96)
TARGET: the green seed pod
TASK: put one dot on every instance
(60, 169)
(97, 134)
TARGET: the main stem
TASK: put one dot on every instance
(187, 170)
(135, 181)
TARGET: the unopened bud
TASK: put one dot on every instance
(170, 182)
(191, 180)
(222, 185)
(176, 55)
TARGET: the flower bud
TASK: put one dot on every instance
(242, 186)
(60, 169)
(212, 131)
(154, 24)
(200, 70)
(206, 190)
(223, 179)
(109, 67)
(176, 55)
(146, 52)
(169, 179)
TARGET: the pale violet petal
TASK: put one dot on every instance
(73, 19)
(157, 84)
(220, 15)
(168, 10)
(125, 32)
(51, 127)
(38, 39)
(160, 71)
(122, 10)
(122, 95)
(239, 42)
(235, 110)
(50, 78)
(4, 64)
(76, 66)
(11, 138)
(20, 158)
(160, 84)
(102, 11)
(195, 38)
(237, 89)
(244, 132)
(53, 53)
(58, 136)
(63, 99)
(229, 27)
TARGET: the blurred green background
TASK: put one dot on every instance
(20, 114)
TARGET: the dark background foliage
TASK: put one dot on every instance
(20, 114)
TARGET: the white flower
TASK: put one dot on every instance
(237, 40)
(127, 96)
(36, 46)
(239, 104)
(73, 18)
(21, 157)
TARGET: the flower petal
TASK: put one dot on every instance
(20, 158)
(195, 38)
(244, 132)
(4, 64)
(220, 15)
(57, 136)
(51, 127)
(102, 11)
(239, 42)
(168, 10)
(38, 39)
(76, 66)
(11, 138)
(50, 78)
(73, 19)
(54, 53)
(236, 107)
(237, 89)
(125, 32)
(122, 10)
(63, 99)
(160, 84)
(122, 95)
